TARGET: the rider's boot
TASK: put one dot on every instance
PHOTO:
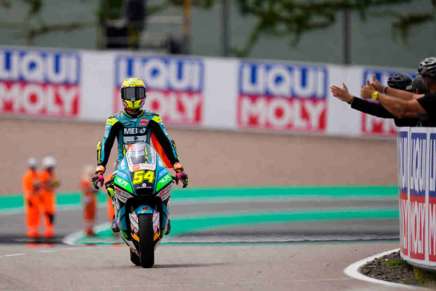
(111, 193)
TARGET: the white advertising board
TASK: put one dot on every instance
(232, 94)
(417, 199)
(40, 83)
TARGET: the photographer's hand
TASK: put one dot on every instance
(367, 91)
(341, 93)
(376, 84)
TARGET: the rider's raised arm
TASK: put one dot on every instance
(162, 142)
(104, 149)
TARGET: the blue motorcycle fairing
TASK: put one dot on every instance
(124, 172)
(142, 209)
(121, 219)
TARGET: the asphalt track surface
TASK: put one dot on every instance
(297, 243)
(293, 243)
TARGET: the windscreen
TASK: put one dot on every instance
(140, 156)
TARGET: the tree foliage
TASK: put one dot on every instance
(285, 18)
(33, 25)
(293, 18)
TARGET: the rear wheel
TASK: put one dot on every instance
(146, 242)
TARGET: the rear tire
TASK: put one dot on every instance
(146, 242)
(134, 258)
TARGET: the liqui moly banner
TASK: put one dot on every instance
(432, 198)
(403, 183)
(39, 83)
(174, 86)
(286, 97)
(372, 125)
(417, 183)
(214, 93)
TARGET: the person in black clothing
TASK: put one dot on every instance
(417, 86)
(397, 81)
(403, 104)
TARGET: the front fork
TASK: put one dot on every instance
(120, 209)
(128, 220)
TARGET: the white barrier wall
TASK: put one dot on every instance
(417, 204)
(188, 91)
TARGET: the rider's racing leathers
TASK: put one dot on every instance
(145, 127)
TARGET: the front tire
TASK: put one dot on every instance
(146, 242)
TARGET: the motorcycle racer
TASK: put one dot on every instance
(133, 125)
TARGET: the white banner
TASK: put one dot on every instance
(282, 97)
(40, 83)
(189, 91)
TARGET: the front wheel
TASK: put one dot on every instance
(146, 242)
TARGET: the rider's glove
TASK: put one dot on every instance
(181, 176)
(98, 178)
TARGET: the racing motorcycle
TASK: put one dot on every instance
(140, 183)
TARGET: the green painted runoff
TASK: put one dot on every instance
(15, 202)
